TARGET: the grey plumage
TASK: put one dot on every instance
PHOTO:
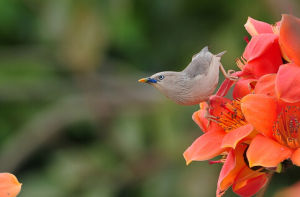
(200, 63)
(196, 83)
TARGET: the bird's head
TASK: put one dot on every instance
(166, 81)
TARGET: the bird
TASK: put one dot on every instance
(193, 85)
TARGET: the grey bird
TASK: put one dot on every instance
(195, 84)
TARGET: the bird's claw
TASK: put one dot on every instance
(230, 76)
(210, 118)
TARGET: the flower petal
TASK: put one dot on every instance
(9, 185)
(250, 186)
(242, 88)
(199, 117)
(266, 85)
(205, 147)
(260, 111)
(266, 152)
(289, 37)
(232, 138)
(255, 27)
(227, 174)
(288, 83)
(232, 166)
(296, 157)
(263, 55)
(216, 103)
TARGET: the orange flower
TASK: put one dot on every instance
(260, 127)
(236, 173)
(274, 111)
(218, 137)
(9, 185)
(227, 136)
(262, 56)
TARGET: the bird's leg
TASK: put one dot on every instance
(228, 74)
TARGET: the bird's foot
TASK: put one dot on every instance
(210, 118)
(230, 75)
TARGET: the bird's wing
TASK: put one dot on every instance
(200, 63)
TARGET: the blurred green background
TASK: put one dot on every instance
(74, 121)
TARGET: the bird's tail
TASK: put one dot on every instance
(221, 54)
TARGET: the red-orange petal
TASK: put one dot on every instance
(199, 119)
(259, 45)
(9, 185)
(288, 83)
(250, 186)
(255, 27)
(263, 55)
(289, 38)
(216, 103)
(260, 111)
(242, 88)
(227, 174)
(232, 138)
(266, 85)
(205, 147)
(232, 166)
(296, 157)
(266, 152)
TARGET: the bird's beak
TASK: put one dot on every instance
(147, 80)
(143, 80)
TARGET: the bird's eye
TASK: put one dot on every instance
(161, 77)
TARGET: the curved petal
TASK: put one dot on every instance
(232, 138)
(242, 88)
(9, 185)
(260, 45)
(263, 55)
(260, 111)
(255, 27)
(288, 83)
(266, 152)
(205, 147)
(266, 85)
(296, 157)
(251, 186)
(199, 117)
(289, 37)
(227, 174)
(232, 166)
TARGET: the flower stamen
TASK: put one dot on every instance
(232, 117)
